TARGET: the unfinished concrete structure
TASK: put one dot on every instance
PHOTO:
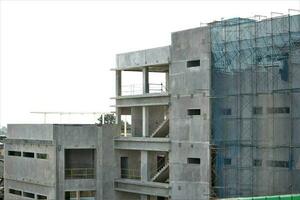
(44, 161)
(226, 121)
(223, 122)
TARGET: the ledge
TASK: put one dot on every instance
(142, 143)
(142, 187)
(155, 99)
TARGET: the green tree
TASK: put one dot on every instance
(3, 130)
(108, 119)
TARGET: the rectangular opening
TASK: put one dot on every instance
(257, 163)
(15, 192)
(41, 156)
(124, 167)
(227, 161)
(194, 161)
(279, 110)
(28, 154)
(226, 111)
(275, 163)
(257, 110)
(79, 163)
(70, 195)
(193, 63)
(87, 195)
(41, 197)
(14, 153)
(28, 195)
(194, 112)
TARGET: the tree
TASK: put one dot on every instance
(106, 119)
(3, 130)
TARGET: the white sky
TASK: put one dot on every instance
(57, 55)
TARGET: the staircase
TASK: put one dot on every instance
(162, 175)
(162, 130)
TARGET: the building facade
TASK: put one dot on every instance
(44, 161)
(222, 121)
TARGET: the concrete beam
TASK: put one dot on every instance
(147, 57)
(143, 100)
(142, 143)
(142, 187)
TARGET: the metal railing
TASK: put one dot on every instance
(130, 173)
(161, 163)
(80, 173)
(136, 89)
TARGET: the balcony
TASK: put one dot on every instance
(79, 163)
(80, 173)
(137, 89)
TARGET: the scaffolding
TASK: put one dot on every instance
(255, 98)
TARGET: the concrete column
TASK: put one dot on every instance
(144, 166)
(145, 113)
(77, 195)
(144, 154)
(118, 82)
(167, 81)
(145, 80)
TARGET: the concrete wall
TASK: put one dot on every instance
(47, 176)
(106, 167)
(155, 56)
(30, 131)
(189, 135)
(33, 175)
(74, 137)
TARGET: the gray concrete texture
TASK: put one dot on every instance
(47, 176)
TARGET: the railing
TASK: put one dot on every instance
(130, 173)
(80, 173)
(136, 89)
(160, 164)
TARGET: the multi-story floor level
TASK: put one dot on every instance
(57, 162)
(225, 122)
(222, 121)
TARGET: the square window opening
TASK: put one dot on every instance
(41, 197)
(14, 153)
(28, 195)
(28, 154)
(15, 192)
(194, 112)
(227, 161)
(41, 155)
(194, 161)
(193, 63)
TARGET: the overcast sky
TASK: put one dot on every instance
(57, 55)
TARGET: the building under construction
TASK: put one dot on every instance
(231, 105)
(223, 123)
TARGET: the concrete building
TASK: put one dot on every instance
(59, 162)
(222, 122)
(225, 122)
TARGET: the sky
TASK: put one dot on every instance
(58, 55)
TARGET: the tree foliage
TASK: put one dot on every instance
(108, 119)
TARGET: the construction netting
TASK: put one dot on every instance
(256, 106)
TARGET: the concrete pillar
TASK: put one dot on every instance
(167, 81)
(77, 195)
(118, 82)
(145, 113)
(145, 80)
(144, 154)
